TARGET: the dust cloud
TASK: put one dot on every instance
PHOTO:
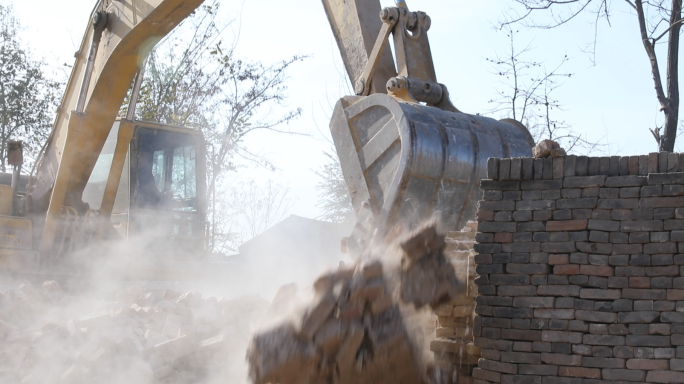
(114, 316)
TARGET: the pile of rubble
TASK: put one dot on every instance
(143, 336)
(355, 330)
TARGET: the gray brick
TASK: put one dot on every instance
(673, 224)
(595, 316)
(527, 168)
(623, 352)
(623, 374)
(621, 214)
(604, 225)
(571, 193)
(505, 279)
(598, 236)
(512, 312)
(558, 290)
(600, 248)
(495, 301)
(610, 340)
(536, 369)
(584, 181)
(581, 349)
(618, 203)
(563, 214)
(541, 185)
(663, 213)
(629, 193)
(517, 290)
(641, 226)
(520, 379)
(561, 359)
(520, 247)
(504, 169)
(579, 236)
(522, 215)
(643, 353)
(496, 227)
(516, 169)
(609, 193)
(662, 202)
(542, 215)
(642, 214)
(497, 366)
(520, 357)
(579, 214)
(644, 294)
(626, 181)
(554, 313)
(562, 337)
(586, 202)
(640, 260)
(672, 317)
(673, 190)
(648, 340)
(531, 226)
(666, 178)
(652, 191)
(618, 260)
(617, 282)
(561, 247)
(530, 269)
(644, 317)
(559, 236)
(603, 362)
(535, 205)
(534, 302)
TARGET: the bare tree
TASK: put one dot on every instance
(194, 79)
(256, 208)
(659, 22)
(527, 91)
(333, 196)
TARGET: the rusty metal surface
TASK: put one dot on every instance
(407, 162)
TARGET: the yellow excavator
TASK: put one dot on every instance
(407, 154)
(100, 177)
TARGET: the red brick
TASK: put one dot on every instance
(596, 270)
(589, 373)
(675, 294)
(665, 377)
(482, 374)
(503, 237)
(559, 259)
(648, 364)
(566, 225)
(566, 269)
(640, 282)
(485, 215)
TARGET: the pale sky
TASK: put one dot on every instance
(613, 101)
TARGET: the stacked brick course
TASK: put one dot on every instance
(581, 270)
(453, 344)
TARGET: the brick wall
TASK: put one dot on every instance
(580, 278)
(453, 344)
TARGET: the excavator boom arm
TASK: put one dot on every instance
(121, 35)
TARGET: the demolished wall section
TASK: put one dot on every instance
(581, 277)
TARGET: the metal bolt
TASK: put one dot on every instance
(359, 87)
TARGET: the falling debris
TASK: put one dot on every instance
(547, 148)
(354, 330)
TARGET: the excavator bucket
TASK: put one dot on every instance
(407, 162)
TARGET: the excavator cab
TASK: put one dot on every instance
(160, 201)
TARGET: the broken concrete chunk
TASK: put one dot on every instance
(547, 148)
